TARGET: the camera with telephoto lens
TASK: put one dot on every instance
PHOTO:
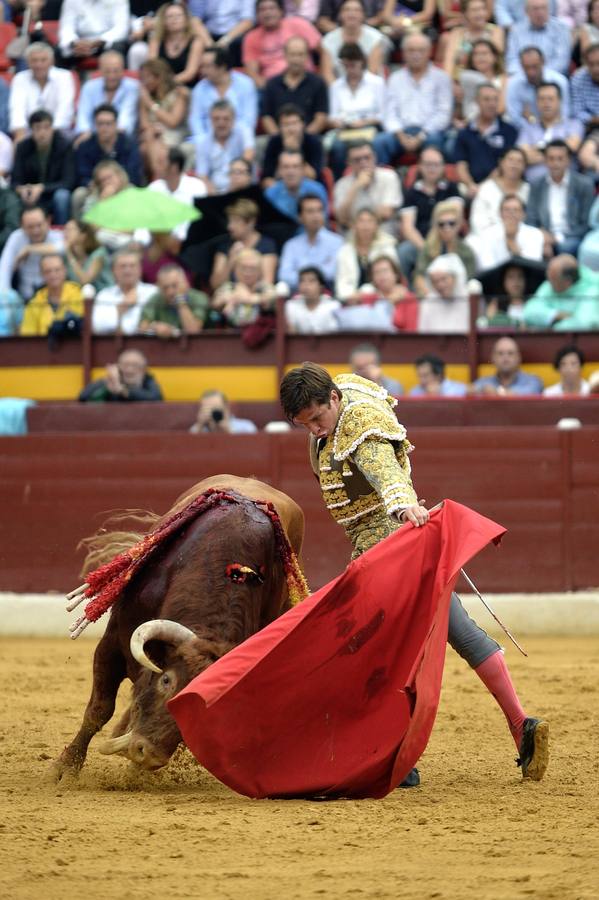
(217, 415)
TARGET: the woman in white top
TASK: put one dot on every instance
(508, 178)
(356, 106)
(352, 30)
(568, 362)
(365, 241)
(445, 308)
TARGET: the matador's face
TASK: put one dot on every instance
(320, 418)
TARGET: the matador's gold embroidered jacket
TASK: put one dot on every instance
(363, 466)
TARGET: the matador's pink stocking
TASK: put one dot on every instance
(494, 674)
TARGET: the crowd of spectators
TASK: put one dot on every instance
(374, 163)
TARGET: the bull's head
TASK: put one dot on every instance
(153, 735)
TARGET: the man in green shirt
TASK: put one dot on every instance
(175, 308)
(568, 300)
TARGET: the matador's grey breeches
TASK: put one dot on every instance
(466, 637)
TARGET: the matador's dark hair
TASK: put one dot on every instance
(303, 386)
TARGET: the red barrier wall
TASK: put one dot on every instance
(542, 484)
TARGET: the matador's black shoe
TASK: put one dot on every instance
(412, 779)
(534, 749)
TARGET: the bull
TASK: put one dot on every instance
(213, 584)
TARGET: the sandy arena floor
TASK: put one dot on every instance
(472, 830)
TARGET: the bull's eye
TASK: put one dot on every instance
(165, 680)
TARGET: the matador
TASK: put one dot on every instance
(360, 455)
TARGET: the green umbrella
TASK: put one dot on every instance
(140, 208)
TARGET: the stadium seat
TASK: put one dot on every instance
(50, 29)
(8, 31)
(451, 174)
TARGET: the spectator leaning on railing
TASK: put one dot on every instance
(127, 380)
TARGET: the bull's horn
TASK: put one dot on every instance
(157, 629)
(115, 745)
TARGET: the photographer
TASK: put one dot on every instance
(215, 417)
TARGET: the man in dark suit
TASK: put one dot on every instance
(107, 142)
(560, 201)
(43, 172)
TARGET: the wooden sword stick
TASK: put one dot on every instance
(488, 608)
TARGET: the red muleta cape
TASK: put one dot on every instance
(338, 696)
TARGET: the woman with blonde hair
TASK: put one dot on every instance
(243, 301)
(443, 237)
(163, 108)
(365, 241)
(176, 40)
(108, 179)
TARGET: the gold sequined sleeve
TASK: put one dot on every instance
(388, 471)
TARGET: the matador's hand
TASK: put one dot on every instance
(416, 514)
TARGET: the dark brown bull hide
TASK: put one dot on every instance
(187, 583)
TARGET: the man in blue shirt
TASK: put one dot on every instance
(226, 141)
(285, 193)
(585, 89)
(316, 244)
(521, 94)
(111, 87)
(541, 30)
(480, 145)
(509, 379)
(507, 12)
(220, 82)
(226, 21)
(430, 370)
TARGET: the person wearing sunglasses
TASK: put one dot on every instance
(443, 237)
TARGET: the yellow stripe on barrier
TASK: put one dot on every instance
(251, 384)
(41, 382)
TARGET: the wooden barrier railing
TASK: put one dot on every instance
(413, 412)
(541, 483)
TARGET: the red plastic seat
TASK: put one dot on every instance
(8, 31)
(451, 174)
(50, 29)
